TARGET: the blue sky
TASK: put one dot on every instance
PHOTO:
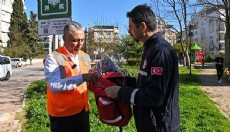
(96, 12)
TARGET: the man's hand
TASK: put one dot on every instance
(91, 77)
(112, 91)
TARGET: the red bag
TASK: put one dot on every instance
(111, 111)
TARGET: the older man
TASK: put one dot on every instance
(66, 70)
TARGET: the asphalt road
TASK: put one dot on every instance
(12, 95)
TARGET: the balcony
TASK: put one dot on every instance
(221, 32)
(221, 41)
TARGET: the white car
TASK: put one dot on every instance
(18, 62)
(5, 68)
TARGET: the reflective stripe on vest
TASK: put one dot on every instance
(73, 101)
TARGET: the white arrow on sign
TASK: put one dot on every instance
(46, 7)
(61, 6)
(53, 2)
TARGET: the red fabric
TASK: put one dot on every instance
(110, 111)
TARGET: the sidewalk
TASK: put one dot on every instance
(219, 93)
(12, 96)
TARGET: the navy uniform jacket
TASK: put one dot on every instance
(155, 98)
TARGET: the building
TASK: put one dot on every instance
(5, 16)
(168, 34)
(51, 42)
(103, 34)
(47, 43)
(209, 30)
(171, 36)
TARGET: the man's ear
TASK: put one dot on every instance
(143, 26)
(63, 37)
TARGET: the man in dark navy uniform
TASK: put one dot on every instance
(219, 60)
(156, 94)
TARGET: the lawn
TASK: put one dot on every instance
(198, 112)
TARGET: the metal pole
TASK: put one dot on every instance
(190, 46)
(190, 73)
(85, 39)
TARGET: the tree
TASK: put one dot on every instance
(130, 49)
(24, 39)
(179, 10)
(90, 46)
(32, 37)
(224, 4)
(16, 46)
(17, 24)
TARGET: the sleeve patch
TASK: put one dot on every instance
(156, 70)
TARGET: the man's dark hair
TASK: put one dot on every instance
(143, 13)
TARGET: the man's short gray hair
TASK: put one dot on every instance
(72, 25)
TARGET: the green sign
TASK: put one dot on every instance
(54, 9)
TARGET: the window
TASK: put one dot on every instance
(108, 33)
(3, 2)
(211, 26)
(46, 39)
(6, 60)
(221, 47)
(46, 46)
(1, 60)
(99, 33)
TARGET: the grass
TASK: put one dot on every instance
(198, 112)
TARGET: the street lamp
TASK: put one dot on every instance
(85, 39)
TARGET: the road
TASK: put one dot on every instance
(12, 95)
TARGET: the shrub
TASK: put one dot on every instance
(133, 62)
(208, 58)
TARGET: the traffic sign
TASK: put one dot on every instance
(52, 26)
(54, 9)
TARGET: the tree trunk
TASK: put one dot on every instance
(227, 36)
(31, 61)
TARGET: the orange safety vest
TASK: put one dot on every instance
(70, 102)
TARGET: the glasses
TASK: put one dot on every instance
(134, 25)
(130, 27)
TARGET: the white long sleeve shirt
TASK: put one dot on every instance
(53, 78)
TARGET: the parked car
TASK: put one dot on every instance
(5, 68)
(18, 62)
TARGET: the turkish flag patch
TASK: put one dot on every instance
(156, 70)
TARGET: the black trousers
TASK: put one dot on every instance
(74, 123)
(220, 72)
